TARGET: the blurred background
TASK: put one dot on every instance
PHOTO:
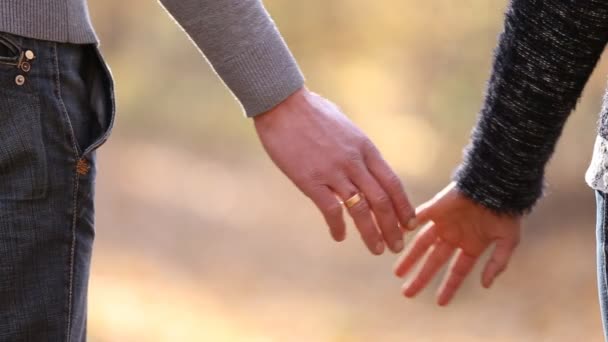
(180, 257)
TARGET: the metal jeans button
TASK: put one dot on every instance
(29, 54)
(20, 80)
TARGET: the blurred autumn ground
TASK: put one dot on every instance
(200, 238)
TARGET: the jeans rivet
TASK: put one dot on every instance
(29, 54)
(25, 66)
(20, 80)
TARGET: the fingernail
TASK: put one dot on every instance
(412, 224)
(407, 292)
(398, 247)
(379, 248)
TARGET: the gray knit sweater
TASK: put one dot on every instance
(238, 38)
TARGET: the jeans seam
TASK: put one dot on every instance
(72, 253)
(74, 199)
(603, 242)
(64, 109)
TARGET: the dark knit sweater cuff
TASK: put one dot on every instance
(494, 190)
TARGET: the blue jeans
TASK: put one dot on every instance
(56, 109)
(602, 253)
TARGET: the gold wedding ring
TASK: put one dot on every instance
(352, 201)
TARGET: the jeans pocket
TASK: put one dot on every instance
(10, 51)
(87, 94)
(102, 100)
(23, 164)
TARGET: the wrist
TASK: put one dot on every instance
(298, 96)
(483, 202)
(295, 102)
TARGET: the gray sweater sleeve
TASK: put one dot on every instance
(243, 45)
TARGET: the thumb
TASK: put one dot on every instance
(426, 211)
(424, 214)
(498, 261)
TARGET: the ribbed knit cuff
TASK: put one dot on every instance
(58, 21)
(263, 76)
(496, 190)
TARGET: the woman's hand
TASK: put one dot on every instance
(457, 225)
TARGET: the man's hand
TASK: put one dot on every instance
(328, 157)
(457, 225)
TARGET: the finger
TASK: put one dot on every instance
(424, 213)
(431, 209)
(439, 255)
(461, 265)
(416, 250)
(498, 261)
(362, 216)
(331, 209)
(389, 181)
(382, 207)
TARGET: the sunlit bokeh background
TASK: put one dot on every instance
(200, 238)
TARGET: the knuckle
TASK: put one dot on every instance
(360, 208)
(382, 202)
(398, 195)
(367, 146)
(394, 183)
(353, 155)
(369, 236)
(317, 176)
(351, 159)
(333, 210)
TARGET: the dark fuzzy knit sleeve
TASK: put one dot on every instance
(545, 56)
